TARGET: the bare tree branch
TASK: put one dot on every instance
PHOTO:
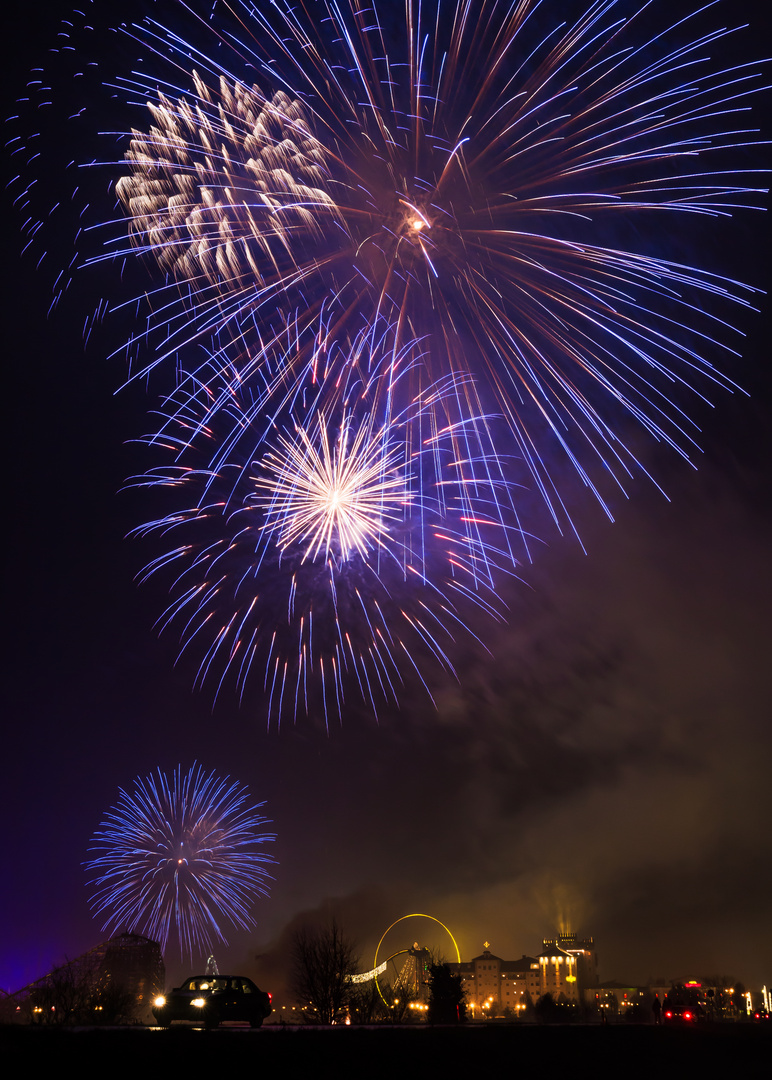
(322, 961)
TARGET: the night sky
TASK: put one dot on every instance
(606, 770)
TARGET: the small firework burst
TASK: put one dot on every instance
(322, 553)
(333, 499)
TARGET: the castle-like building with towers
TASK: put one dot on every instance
(566, 968)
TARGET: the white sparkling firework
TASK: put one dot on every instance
(333, 498)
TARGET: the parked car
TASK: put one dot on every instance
(678, 1013)
(213, 999)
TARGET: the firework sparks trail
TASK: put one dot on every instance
(181, 855)
(323, 552)
(470, 227)
(466, 175)
(218, 191)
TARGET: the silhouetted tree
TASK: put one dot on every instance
(365, 1004)
(113, 1003)
(547, 1010)
(322, 960)
(63, 996)
(399, 999)
(77, 992)
(447, 1000)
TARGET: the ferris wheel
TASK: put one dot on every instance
(410, 966)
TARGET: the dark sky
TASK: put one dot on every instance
(606, 771)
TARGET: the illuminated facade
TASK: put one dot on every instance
(494, 986)
(567, 969)
(557, 974)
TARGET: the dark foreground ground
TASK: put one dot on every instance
(385, 1052)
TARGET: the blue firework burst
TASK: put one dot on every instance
(181, 856)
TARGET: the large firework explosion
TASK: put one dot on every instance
(344, 544)
(467, 173)
(493, 216)
(182, 856)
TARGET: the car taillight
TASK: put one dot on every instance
(687, 1016)
(668, 1014)
(270, 998)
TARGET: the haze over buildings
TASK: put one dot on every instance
(605, 765)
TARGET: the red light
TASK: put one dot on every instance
(687, 1016)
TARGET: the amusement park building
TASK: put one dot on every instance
(125, 972)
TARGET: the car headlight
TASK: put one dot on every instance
(198, 1002)
(160, 1001)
